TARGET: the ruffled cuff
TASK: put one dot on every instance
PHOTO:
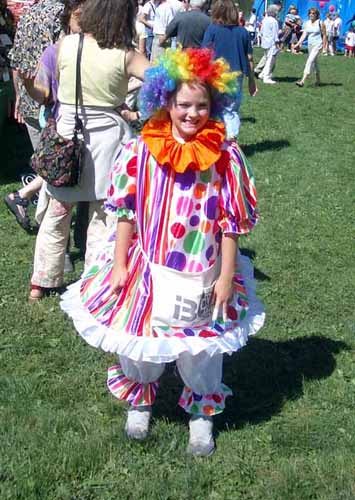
(125, 389)
(229, 225)
(126, 213)
(209, 404)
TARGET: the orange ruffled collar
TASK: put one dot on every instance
(198, 154)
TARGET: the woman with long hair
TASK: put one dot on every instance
(108, 61)
(232, 42)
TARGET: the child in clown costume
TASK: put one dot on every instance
(175, 288)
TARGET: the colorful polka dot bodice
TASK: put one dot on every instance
(180, 219)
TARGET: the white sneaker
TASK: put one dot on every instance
(201, 442)
(137, 424)
(269, 81)
(68, 265)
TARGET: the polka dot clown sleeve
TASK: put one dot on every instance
(238, 212)
(121, 196)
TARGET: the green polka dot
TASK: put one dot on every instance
(242, 314)
(194, 242)
(121, 181)
(194, 408)
(93, 270)
(206, 176)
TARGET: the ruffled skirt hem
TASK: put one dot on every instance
(165, 349)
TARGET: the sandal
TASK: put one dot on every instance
(36, 293)
(14, 204)
(299, 83)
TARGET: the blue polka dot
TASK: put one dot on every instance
(185, 180)
(176, 260)
(209, 252)
(189, 332)
(210, 207)
(194, 221)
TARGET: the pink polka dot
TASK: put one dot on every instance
(195, 267)
(232, 313)
(217, 398)
(206, 334)
(198, 206)
(177, 230)
(184, 206)
(132, 167)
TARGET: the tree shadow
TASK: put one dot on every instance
(263, 376)
(259, 147)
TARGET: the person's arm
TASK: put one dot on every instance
(207, 41)
(275, 33)
(36, 93)
(253, 89)
(136, 64)
(171, 30)
(17, 115)
(301, 40)
(119, 273)
(223, 289)
(143, 18)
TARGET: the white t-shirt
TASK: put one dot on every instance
(337, 26)
(177, 6)
(163, 15)
(328, 23)
(140, 27)
(314, 32)
(250, 25)
(269, 32)
(149, 9)
(350, 39)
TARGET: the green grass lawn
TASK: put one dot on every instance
(288, 433)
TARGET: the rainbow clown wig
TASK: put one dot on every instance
(177, 66)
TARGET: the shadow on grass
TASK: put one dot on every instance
(286, 79)
(330, 84)
(263, 375)
(260, 147)
(248, 119)
(258, 275)
(16, 150)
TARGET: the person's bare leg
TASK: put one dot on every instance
(31, 189)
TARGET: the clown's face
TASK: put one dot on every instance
(189, 110)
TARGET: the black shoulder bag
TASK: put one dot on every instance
(58, 160)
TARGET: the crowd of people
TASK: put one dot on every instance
(161, 211)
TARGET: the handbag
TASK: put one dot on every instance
(56, 159)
